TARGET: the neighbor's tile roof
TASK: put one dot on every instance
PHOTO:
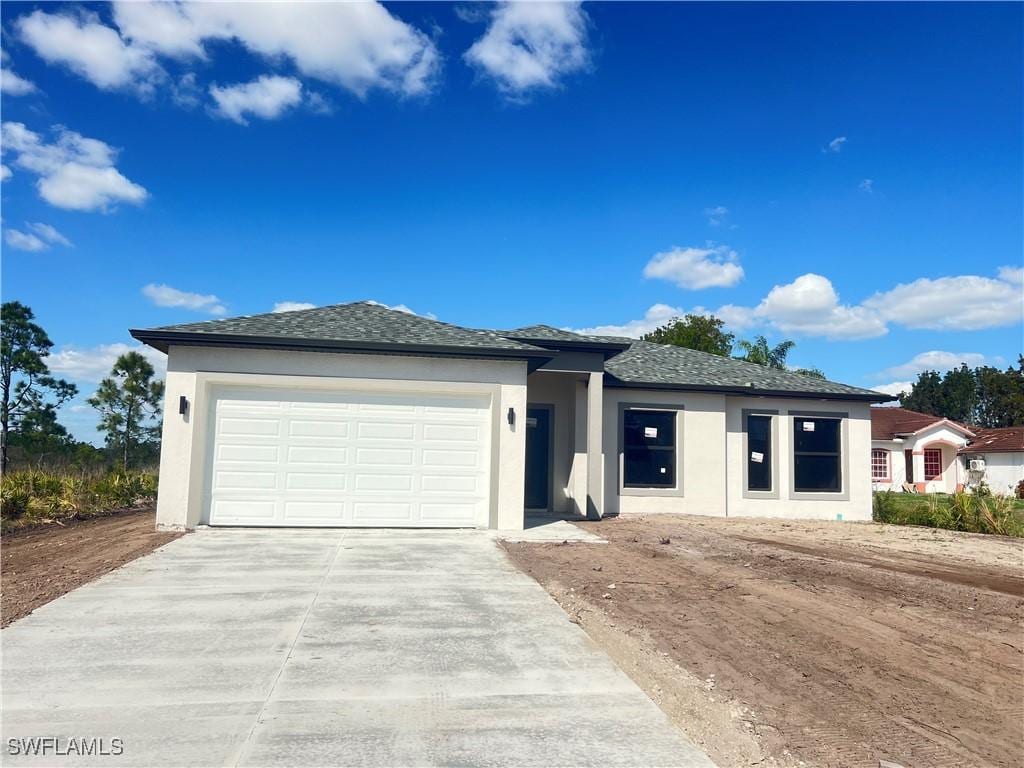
(649, 363)
(889, 423)
(360, 321)
(1002, 440)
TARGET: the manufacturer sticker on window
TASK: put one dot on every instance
(808, 426)
(756, 457)
(650, 431)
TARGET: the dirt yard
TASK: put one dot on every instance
(41, 564)
(822, 644)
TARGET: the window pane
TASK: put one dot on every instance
(932, 463)
(816, 435)
(759, 456)
(816, 473)
(647, 428)
(649, 468)
(879, 464)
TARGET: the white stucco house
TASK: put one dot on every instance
(995, 456)
(357, 415)
(916, 450)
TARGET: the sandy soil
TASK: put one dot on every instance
(41, 564)
(788, 643)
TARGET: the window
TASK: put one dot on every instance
(759, 452)
(932, 463)
(879, 464)
(648, 449)
(816, 455)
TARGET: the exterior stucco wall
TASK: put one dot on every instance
(559, 391)
(194, 371)
(700, 439)
(1002, 471)
(852, 503)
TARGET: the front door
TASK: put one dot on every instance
(908, 465)
(538, 457)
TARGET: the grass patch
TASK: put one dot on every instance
(33, 496)
(973, 513)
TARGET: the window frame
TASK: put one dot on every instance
(887, 477)
(843, 494)
(928, 478)
(773, 440)
(633, 490)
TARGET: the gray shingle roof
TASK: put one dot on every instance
(662, 364)
(544, 333)
(360, 322)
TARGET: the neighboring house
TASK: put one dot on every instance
(917, 450)
(357, 415)
(1001, 453)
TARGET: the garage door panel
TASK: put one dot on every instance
(284, 457)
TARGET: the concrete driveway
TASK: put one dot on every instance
(377, 648)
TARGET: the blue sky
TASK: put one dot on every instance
(849, 177)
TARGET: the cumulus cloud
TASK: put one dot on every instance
(357, 46)
(75, 172)
(895, 388)
(656, 316)
(1012, 275)
(5, 173)
(94, 51)
(696, 268)
(532, 45)
(90, 364)
(267, 97)
(965, 302)
(292, 306)
(836, 145)
(716, 215)
(39, 237)
(166, 296)
(934, 360)
(810, 306)
(12, 84)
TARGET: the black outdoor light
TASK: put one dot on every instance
(511, 417)
(182, 405)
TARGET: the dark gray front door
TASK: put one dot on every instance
(538, 458)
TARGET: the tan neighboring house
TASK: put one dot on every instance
(912, 450)
(995, 456)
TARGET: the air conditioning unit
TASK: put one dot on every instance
(976, 465)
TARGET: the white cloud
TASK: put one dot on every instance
(894, 388)
(24, 241)
(166, 296)
(401, 308)
(867, 185)
(12, 84)
(39, 237)
(1013, 275)
(267, 97)
(292, 306)
(836, 145)
(934, 360)
(91, 364)
(531, 45)
(696, 268)
(90, 49)
(74, 172)
(810, 306)
(965, 302)
(655, 317)
(358, 46)
(5, 173)
(716, 215)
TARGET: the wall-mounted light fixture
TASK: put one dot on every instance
(182, 405)
(511, 417)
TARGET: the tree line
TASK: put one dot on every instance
(128, 402)
(983, 397)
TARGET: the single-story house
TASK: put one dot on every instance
(358, 415)
(916, 449)
(995, 457)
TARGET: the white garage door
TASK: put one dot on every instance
(285, 457)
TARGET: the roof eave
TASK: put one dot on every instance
(163, 340)
(609, 349)
(877, 397)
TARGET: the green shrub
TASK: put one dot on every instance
(973, 513)
(32, 495)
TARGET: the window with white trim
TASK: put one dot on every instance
(879, 464)
(648, 448)
(932, 463)
(817, 456)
